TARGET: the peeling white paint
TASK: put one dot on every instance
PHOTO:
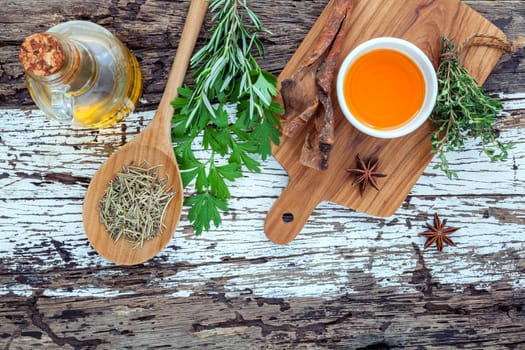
(182, 294)
(84, 292)
(337, 252)
(513, 102)
(518, 283)
(18, 289)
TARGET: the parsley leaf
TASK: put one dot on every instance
(204, 210)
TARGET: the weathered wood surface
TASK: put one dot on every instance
(348, 281)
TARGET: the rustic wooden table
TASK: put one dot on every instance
(348, 281)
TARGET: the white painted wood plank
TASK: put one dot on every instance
(339, 251)
(29, 151)
(336, 247)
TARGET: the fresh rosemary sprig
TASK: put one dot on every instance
(462, 110)
(226, 77)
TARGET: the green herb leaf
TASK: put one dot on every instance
(230, 171)
(264, 87)
(462, 110)
(266, 133)
(226, 75)
(204, 210)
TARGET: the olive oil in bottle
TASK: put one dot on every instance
(79, 72)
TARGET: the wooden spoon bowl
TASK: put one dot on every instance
(121, 251)
(153, 146)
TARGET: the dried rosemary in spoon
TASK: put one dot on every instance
(134, 204)
(463, 109)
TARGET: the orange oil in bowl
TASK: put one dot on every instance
(384, 89)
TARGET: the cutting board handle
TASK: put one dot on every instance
(290, 213)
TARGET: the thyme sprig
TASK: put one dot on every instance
(226, 74)
(462, 110)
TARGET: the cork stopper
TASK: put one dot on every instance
(42, 54)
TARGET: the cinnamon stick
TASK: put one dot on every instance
(317, 146)
(300, 91)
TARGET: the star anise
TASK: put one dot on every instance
(438, 234)
(365, 174)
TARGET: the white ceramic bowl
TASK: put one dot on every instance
(418, 57)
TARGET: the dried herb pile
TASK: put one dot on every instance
(226, 75)
(134, 204)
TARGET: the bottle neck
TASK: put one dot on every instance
(58, 62)
(63, 67)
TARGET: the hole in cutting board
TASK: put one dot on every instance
(287, 217)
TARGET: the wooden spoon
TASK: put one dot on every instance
(153, 145)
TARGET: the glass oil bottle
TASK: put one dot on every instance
(80, 72)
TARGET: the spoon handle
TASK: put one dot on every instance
(190, 33)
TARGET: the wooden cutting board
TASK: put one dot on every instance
(421, 22)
